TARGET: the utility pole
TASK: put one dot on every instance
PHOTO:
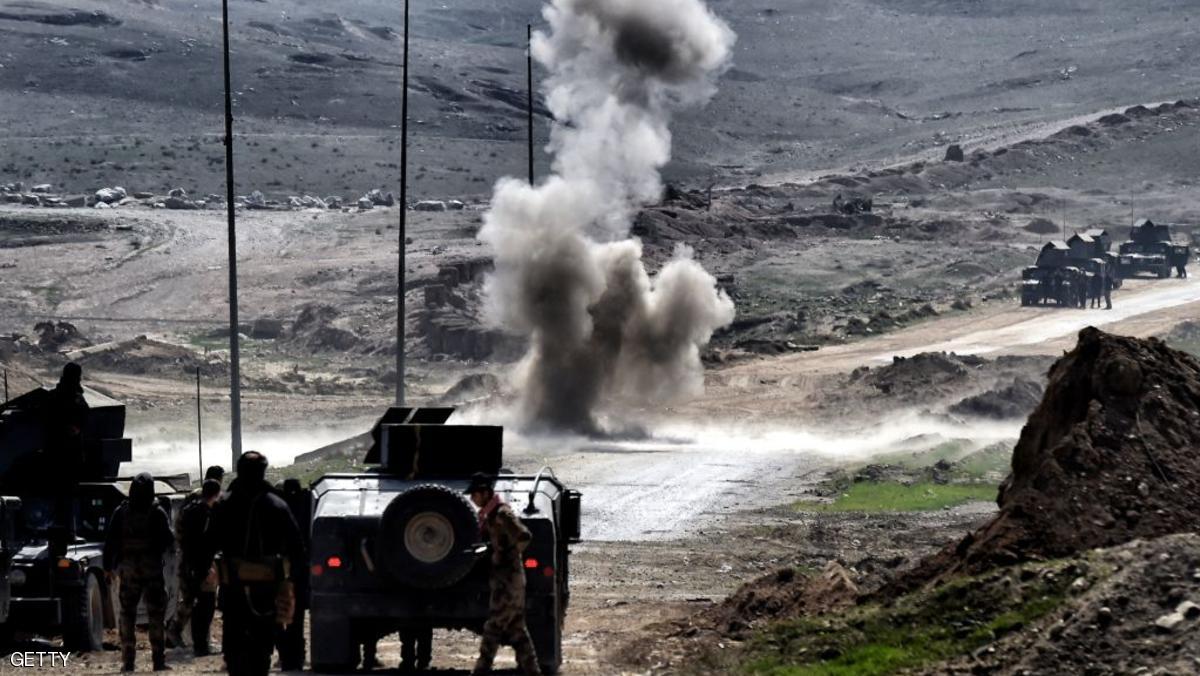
(529, 85)
(400, 269)
(235, 371)
(199, 429)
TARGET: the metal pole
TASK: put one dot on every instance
(400, 271)
(199, 429)
(235, 371)
(529, 85)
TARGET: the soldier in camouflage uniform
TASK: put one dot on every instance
(138, 537)
(508, 538)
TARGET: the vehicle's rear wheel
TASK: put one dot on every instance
(83, 617)
(426, 537)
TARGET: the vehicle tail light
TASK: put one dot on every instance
(531, 564)
(333, 562)
(317, 570)
(548, 571)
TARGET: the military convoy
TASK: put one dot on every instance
(398, 547)
(1073, 272)
(51, 573)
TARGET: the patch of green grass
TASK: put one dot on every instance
(991, 463)
(308, 472)
(920, 629)
(208, 341)
(868, 496)
(52, 294)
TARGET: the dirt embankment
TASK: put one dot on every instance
(1091, 564)
(1108, 456)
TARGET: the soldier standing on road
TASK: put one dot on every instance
(508, 538)
(195, 590)
(290, 640)
(261, 548)
(138, 537)
(65, 420)
(1109, 282)
(197, 579)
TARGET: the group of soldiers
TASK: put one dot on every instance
(1076, 287)
(240, 549)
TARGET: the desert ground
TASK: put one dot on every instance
(887, 346)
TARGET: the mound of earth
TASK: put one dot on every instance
(1109, 456)
(473, 386)
(1142, 618)
(315, 329)
(1184, 336)
(780, 595)
(928, 369)
(1042, 226)
(1015, 400)
(145, 356)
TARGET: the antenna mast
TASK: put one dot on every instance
(400, 269)
(235, 374)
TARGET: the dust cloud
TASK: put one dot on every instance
(161, 452)
(567, 275)
(906, 432)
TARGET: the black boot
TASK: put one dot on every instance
(160, 662)
(127, 656)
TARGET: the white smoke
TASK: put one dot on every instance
(567, 275)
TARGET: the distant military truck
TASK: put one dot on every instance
(1055, 277)
(51, 576)
(1151, 251)
(1095, 243)
(398, 547)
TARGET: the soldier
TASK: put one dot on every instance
(193, 579)
(66, 416)
(139, 535)
(508, 538)
(197, 588)
(290, 640)
(1110, 281)
(261, 549)
(416, 649)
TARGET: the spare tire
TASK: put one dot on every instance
(426, 537)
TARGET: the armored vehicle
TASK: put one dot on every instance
(1092, 245)
(1055, 277)
(51, 573)
(1150, 250)
(399, 546)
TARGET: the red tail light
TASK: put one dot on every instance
(548, 571)
(333, 562)
(317, 570)
(531, 564)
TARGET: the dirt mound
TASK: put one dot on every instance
(315, 329)
(781, 595)
(473, 386)
(928, 369)
(1109, 455)
(145, 356)
(1042, 226)
(1184, 336)
(1015, 400)
(1142, 618)
(59, 336)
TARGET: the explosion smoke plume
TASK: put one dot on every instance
(567, 274)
